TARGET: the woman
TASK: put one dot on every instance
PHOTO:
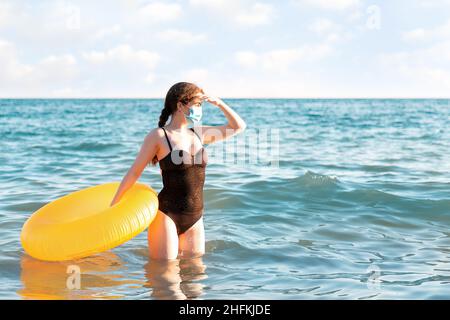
(178, 225)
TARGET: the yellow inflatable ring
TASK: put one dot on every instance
(82, 223)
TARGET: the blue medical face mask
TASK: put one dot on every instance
(194, 115)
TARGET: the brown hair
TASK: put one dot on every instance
(182, 92)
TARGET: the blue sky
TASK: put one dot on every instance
(231, 48)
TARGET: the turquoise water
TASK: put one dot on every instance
(358, 207)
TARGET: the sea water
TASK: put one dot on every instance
(352, 201)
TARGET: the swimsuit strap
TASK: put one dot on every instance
(197, 135)
(167, 138)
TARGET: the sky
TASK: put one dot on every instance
(230, 48)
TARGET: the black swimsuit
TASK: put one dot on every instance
(183, 175)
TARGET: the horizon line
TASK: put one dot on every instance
(231, 98)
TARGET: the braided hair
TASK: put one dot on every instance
(180, 92)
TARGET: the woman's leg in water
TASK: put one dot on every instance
(162, 237)
(192, 242)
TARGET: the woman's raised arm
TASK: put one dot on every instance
(235, 125)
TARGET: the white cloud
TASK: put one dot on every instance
(12, 14)
(414, 35)
(198, 76)
(430, 75)
(44, 53)
(12, 68)
(123, 54)
(107, 32)
(322, 26)
(428, 67)
(247, 59)
(330, 4)
(421, 34)
(258, 14)
(62, 14)
(150, 78)
(330, 31)
(433, 3)
(160, 12)
(282, 59)
(56, 68)
(216, 4)
(436, 54)
(240, 12)
(6, 13)
(52, 68)
(355, 16)
(64, 92)
(119, 71)
(24, 79)
(181, 36)
(46, 25)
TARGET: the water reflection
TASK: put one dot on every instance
(48, 280)
(107, 276)
(175, 279)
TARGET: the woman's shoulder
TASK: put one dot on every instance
(156, 133)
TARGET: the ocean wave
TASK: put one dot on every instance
(380, 168)
(307, 180)
(428, 208)
(93, 146)
(271, 194)
(221, 245)
(24, 206)
(315, 180)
